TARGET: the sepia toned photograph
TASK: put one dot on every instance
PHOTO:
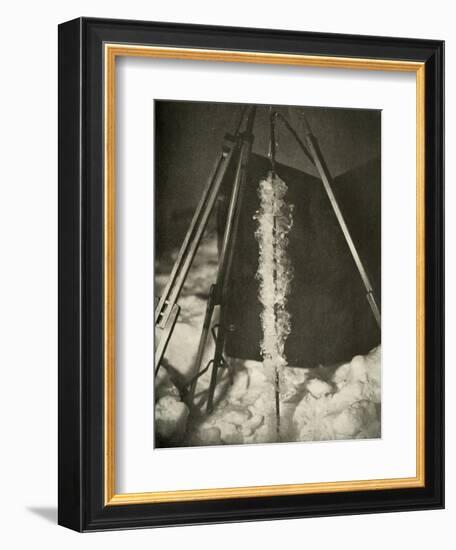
(267, 274)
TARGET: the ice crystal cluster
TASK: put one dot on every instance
(274, 221)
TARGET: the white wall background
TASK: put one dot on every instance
(28, 273)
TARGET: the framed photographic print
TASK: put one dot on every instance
(250, 274)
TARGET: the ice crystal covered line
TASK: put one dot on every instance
(274, 221)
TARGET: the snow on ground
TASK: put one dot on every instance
(323, 403)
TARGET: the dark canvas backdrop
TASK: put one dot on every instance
(330, 316)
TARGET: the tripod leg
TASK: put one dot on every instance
(313, 153)
(162, 335)
(165, 310)
(218, 360)
(202, 342)
(194, 234)
(227, 251)
(325, 177)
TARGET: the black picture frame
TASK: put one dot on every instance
(81, 472)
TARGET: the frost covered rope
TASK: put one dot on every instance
(274, 221)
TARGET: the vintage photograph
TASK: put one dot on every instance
(267, 274)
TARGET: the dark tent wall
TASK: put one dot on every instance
(331, 318)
